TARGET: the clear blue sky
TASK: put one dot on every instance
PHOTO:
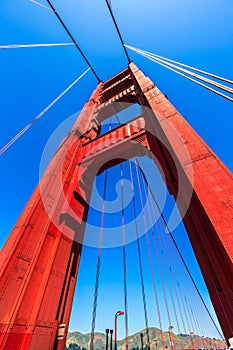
(193, 32)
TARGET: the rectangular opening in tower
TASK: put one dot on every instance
(130, 112)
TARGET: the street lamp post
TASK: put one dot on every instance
(107, 332)
(141, 336)
(170, 337)
(118, 313)
(111, 332)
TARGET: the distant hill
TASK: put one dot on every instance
(79, 341)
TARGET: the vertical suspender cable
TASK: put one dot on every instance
(139, 257)
(179, 252)
(160, 234)
(189, 312)
(147, 237)
(160, 268)
(198, 326)
(162, 230)
(124, 260)
(160, 238)
(182, 297)
(150, 206)
(174, 284)
(98, 265)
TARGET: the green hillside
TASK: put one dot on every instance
(158, 340)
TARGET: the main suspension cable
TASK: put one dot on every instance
(164, 64)
(184, 65)
(118, 30)
(198, 76)
(28, 126)
(72, 38)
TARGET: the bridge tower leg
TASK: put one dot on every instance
(209, 218)
(39, 262)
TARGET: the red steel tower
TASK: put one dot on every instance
(40, 260)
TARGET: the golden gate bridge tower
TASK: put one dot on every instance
(39, 263)
(40, 260)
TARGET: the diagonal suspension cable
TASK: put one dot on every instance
(72, 38)
(34, 120)
(25, 46)
(118, 30)
(164, 64)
